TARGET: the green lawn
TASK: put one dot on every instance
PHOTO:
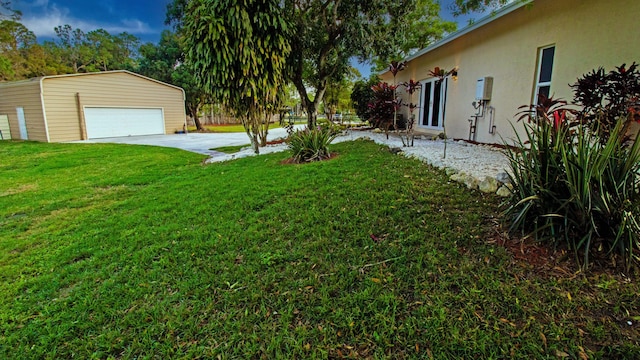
(230, 149)
(227, 128)
(117, 251)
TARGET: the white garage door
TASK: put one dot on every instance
(114, 122)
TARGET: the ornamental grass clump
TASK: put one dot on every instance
(311, 144)
(572, 187)
(602, 177)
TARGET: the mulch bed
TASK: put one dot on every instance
(546, 261)
(291, 160)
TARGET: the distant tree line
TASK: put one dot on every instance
(73, 51)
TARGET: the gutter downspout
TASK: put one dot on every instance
(184, 110)
(44, 110)
(81, 120)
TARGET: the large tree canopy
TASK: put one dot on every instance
(159, 61)
(460, 7)
(21, 57)
(415, 30)
(238, 51)
(15, 40)
(328, 34)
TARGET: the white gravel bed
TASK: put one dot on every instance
(479, 161)
(246, 152)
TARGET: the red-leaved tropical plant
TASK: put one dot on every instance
(396, 66)
(607, 98)
(554, 112)
(383, 106)
(439, 73)
(411, 87)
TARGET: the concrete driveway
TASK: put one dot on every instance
(195, 142)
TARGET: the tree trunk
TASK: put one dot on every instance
(263, 130)
(312, 106)
(251, 130)
(197, 121)
(193, 112)
(255, 143)
(312, 116)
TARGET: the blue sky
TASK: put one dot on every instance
(142, 18)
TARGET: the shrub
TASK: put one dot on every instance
(362, 95)
(311, 144)
(383, 106)
(570, 185)
(608, 98)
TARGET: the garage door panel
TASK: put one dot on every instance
(114, 122)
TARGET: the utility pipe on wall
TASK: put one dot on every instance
(492, 126)
(481, 111)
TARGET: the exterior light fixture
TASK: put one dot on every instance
(454, 74)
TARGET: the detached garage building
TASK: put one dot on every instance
(89, 106)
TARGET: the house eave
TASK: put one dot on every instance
(517, 4)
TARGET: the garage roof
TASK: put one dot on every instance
(42, 78)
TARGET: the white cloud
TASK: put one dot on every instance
(42, 25)
(51, 16)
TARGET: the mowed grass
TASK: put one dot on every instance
(117, 251)
(230, 149)
(227, 128)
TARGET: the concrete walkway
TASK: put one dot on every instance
(195, 142)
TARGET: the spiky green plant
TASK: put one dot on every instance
(572, 187)
(602, 178)
(311, 144)
(537, 176)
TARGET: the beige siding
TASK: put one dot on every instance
(586, 33)
(25, 94)
(110, 89)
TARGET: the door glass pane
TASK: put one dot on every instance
(437, 92)
(425, 104)
(546, 64)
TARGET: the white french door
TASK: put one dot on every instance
(432, 103)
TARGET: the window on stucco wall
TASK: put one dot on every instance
(545, 68)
